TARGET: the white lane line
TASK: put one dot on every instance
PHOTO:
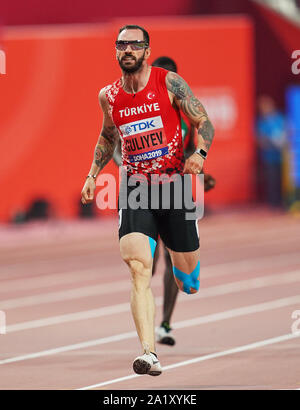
(64, 295)
(228, 314)
(238, 243)
(208, 250)
(61, 238)
(60, 278)
(69, 317)
(68, 348)
(232, 287)
(246, 310)
(198, 359)
(248, 265)
(215, 270)
(251, 238)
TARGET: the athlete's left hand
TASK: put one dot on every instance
(193, 165)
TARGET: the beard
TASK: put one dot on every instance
(134, 68)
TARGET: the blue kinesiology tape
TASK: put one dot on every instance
(152, 243)
(190, 280)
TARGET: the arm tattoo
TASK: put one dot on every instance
(206, 131)
(105, 147)
(191, 106)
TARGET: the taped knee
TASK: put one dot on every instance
(188, 283)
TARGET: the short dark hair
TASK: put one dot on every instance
(135, 27)
(166, 63)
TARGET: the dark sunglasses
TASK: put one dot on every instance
(134, 44)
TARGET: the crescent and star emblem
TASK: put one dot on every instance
(150, 95)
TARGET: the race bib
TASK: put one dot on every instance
(144, 139)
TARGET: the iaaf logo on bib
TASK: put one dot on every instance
(137, 127)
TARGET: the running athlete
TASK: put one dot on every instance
(143, 109)
(164, 334)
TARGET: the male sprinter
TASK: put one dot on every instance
(164, 334)
(150, 97)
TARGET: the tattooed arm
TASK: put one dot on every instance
(103, 151)
(107, 140)
(182, 96)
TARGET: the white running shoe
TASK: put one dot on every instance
(164, 336)
(147, 364)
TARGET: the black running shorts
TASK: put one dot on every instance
(178, 233)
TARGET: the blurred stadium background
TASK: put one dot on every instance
(60, 54)
(57, 55)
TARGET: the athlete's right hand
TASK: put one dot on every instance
(87, 193)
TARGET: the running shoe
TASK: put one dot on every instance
(164, 335)
(147, 364)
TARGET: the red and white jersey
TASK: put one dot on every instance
(149, 127)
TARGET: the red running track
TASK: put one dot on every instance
(65, 293)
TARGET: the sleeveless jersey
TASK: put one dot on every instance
(149, 127)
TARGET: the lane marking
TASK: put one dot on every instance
(62, 236)
(215, 270)
(64, 295)
(228, 314)
(55, 279)
(4, 268)
(232, 287)
(199, 359)
(249, 236)
(246, 265)
(246, 310)
(68, 348)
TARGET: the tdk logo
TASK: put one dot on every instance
(138, 127)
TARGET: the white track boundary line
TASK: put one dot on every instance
(212, 231)
(68, 277)
(228, 314)
(232, 287)
(64, 295)
(210, 271)
(199, 359)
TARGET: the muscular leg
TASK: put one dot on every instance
(186, 268)
(136, 252)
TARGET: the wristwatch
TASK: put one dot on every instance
(201, 152)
